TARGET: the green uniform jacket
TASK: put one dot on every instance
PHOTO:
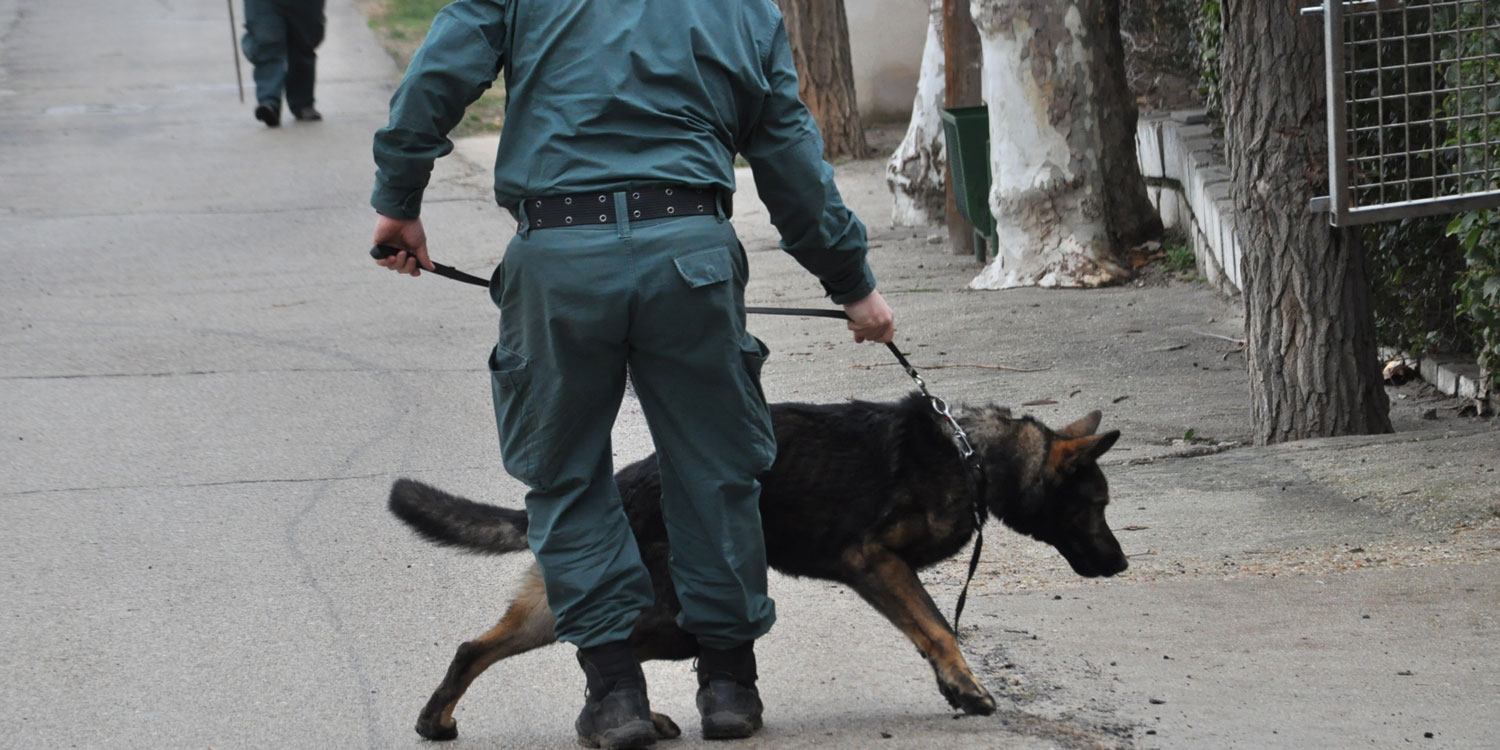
(606, 96)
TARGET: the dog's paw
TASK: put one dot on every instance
(666, 729)
(981, 704)
(435, 729)
(971, 698)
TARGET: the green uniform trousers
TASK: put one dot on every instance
(280, 41)
(664, 298)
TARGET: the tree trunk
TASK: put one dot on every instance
(1059, 176)
(1132, 218)
(963, 80)
(1314, 371)
(818, 32)
(916, 172)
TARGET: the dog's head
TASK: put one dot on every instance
(1047, 485)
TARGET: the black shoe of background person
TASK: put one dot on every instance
(616, 712)
(307, 114)
(268, 114)
(727, 699)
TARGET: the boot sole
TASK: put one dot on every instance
(636, 734)
(730, 727)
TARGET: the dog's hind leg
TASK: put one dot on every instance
(527, 624)
(892, 587)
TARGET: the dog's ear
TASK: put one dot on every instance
(1102, 443)
(1085, 426)
(1065, 454)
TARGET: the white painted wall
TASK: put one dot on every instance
(885, 47)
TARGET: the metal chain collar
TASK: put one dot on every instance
(960, 438)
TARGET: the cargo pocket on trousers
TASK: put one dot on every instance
(706, 267)
(754, 352)
(515, 422)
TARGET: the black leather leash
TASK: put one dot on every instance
(960, 438)
(381, 252)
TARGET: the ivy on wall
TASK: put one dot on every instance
(1208, 27)
(1476, 79)
(1479, 285)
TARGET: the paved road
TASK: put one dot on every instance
(206, 391)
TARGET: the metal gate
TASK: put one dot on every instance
(1413, 108)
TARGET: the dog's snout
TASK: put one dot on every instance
(1112, 559)
(1095, 556)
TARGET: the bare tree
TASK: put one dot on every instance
(1313, 364)
(818, 31)
(915, 173)
(1067, 192)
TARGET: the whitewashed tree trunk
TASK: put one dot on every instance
(916, 172)
(1047, 183)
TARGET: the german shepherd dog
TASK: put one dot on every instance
(865, 494)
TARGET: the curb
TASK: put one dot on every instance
(1454, 376)
(1189, 185)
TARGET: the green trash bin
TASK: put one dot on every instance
(967, 130)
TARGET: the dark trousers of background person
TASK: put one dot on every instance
(281, 41)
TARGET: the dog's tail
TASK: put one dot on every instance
(455, 522)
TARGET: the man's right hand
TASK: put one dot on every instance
(406, 234)
(871, 319)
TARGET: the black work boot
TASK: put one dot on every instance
(616, 714)
(269, 113)
(727, 698)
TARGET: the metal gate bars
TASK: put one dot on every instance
(1413, 108)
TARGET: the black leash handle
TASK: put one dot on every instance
(381, 252)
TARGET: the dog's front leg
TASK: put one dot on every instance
(892, 587)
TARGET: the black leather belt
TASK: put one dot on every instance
(585, 209)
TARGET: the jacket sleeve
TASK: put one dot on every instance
(461, 57)
(785, 152)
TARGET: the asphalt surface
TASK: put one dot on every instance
(207, 388)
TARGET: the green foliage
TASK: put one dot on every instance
(409, 19)
(1208, 27)
(1414, 267)
(1478, 233)
(1477, 140)
(1180, 257)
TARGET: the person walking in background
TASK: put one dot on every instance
(281, 41)
(623, 120)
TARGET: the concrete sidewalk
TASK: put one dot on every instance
(208, 389)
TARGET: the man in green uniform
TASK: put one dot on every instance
(622, 124)
(281, 41)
